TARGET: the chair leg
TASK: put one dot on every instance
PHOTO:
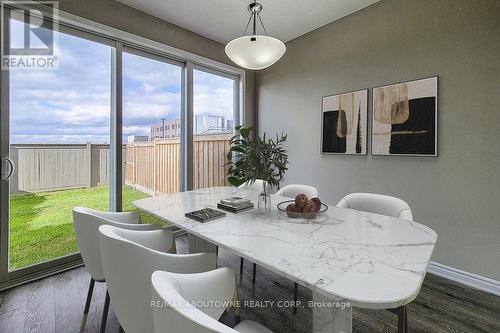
(241, 266)
(402, 320)
(407, 323)
(254, 273)
(87, 305)
(236, 304)
(295, 292)
(105, 313)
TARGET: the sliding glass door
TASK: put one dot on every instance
(215, 99)
(152, 106)
(114, 121)
(59, 145)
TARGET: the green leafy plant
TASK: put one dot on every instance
(259, 158)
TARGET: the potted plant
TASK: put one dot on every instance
(258, 158)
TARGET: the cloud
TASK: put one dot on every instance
(150, 71)
(135, 130)
(213, 95)
(73, 103)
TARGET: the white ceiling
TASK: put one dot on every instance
(223, 20)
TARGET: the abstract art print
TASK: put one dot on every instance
(405, 118)
(344, 129)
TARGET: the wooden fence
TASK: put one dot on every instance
(46, 167)
(154, 166)
(209, 157)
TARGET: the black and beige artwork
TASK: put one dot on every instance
(405, 118)
(344, 129)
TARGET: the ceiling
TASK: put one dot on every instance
(223, 20)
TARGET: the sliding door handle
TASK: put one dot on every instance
(6, 172)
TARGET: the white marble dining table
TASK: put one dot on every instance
(364, 259)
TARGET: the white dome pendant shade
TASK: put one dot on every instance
(255, 51)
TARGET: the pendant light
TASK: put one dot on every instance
(255, 51)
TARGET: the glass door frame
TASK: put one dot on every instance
(120, 41)
(187, 115)
(18, 276)
(237, 110)
(149, 54)
(4, 151)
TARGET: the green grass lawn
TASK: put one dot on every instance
(41, 224)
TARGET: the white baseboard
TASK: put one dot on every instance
(469, 279)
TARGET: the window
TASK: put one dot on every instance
(151, 98)
(62, 142)
(214, 99)
(59, 143)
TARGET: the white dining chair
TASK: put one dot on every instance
(86, 222)
(256, 186)
(377, 203)
(383, 205)
(194, 302)
(129, 258)
(293, 190)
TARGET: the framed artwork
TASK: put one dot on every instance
(405, 118)
(343, 123)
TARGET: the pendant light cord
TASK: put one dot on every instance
(263, 26)
(248, 23)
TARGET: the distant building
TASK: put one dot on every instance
(167, 129)
(137, 138)
(230, 125)
(208, 124)
(203, 124)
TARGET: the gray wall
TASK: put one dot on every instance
(458, 193)
(119, 16)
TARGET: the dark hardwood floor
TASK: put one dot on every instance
(55, 304)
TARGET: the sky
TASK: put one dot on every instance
(72, 103)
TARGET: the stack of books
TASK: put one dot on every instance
(205, 215)
(235, 204)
